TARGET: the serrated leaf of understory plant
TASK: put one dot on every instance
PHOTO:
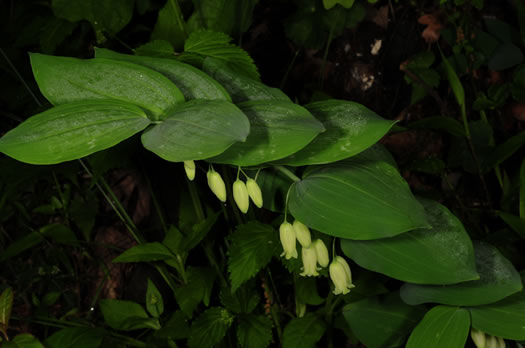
(197, 129)
(356, 199)
(207, 43)
(254, 331)
(76, 337)
(210, 328)
(253, 245)
(65, 80)
(303, 332)
(442, 326)
(441, 255)
(498, 279)
(72, 131)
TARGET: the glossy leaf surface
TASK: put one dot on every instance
(72, 131)
(505, 318)
(382, 321)
(192, 82)
(277, 129)
(197, 129)
(442, 254)
(64, 80)
(442, 326)
(498, 279)
(356, 200)
(350, 129)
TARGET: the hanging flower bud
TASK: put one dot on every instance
(501, 342)
(492, 342)
(240, 195)
(216, 185)
(341, 276)
(287, 235)
(300, 308)
(189, 167)
(479, 338)
(302, 233)
(322, 253)
(309, 262)
(255, 192)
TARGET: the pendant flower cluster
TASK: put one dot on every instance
(484, 340)
(314, 254)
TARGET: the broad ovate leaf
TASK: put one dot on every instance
(497, 279)
(442, 254)
(356, 199)
(504, 318)
(277, 129)
(350, 129)
(441, 327)
(197, 129)
(72, 131)
(64, 80)
(241, 87)
(193, 83)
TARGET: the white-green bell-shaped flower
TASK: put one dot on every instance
(287, 235)
(216, 185)
(322, 253)
(309, 257)
(479, 338)
(494, 342)
(255, 192)
(341, 276)
(240, 195)
(189, 168)
(302, 233)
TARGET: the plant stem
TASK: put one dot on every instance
(288, 173)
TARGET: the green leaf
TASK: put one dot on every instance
(244, 300)
(254, 331)
(145, 252)
(515, 222)
(274, 186)
(252, 247)
(350, 129)
(170, 25)
(197, 129)
(503, 151)
(126, 315)
(522, 190)
(442, 123)
(54, 33)
(65, 80)
(192, 82)
(197, 290)
(356, 200)
(207, 43)
(454, 81)
(382, 321)
(23, 341)
(303, 332)
(441, 255)
(277, 129)
(108, 15)
(6, 305)
(155, 48)
(57, 232)
(210, 328)
(306, 291)
(241, 87)
(199, 231)
(502, 319)
(72, 131)
(154, 302)
(498, 279)
(328, 4)
(175, 328)
(75, 337)
(441, 327)
(505, 56)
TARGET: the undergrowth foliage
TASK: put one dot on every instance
(306, 196)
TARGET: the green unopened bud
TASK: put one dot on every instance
(216, 185)
(492, 342)
(478, 337)
(240, 195)
(309, 262)
(255, 192)
(302, 233)
(341, 276)
(189, 167)
(287, 235)
(300, 308)
(501, 342)
(322, 253)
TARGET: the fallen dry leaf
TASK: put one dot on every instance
(381, 17)
(434, 26)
